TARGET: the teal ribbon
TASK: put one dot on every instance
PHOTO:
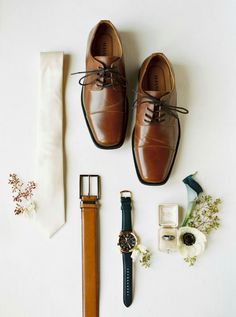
(193, 190)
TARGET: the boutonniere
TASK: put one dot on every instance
(200, 220)
(22, 195)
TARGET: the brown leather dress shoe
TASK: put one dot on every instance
(104, 93)
(157, 130)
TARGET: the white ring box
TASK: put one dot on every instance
(168, 222)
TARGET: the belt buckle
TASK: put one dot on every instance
(81, 182)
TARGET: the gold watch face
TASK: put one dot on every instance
(127, 241)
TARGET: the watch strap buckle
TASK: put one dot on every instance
(125, 193)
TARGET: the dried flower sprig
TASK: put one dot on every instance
(22, 196)
(18, 209)
(190, 260)
(204, 216)
(145, 259)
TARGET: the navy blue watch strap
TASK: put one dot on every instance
(127, 279)
(127, 260)
(126, 213)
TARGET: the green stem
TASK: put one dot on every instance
(188, 214)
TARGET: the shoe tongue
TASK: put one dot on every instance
(156, 93)
(106, 60)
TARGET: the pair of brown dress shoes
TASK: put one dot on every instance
(157, 130)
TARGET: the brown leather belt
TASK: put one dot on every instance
(89, 213)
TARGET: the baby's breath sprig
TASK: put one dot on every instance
(190, 260)
(204, 216)
(145, 259)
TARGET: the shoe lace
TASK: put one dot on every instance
(160, 109)
(105, 77)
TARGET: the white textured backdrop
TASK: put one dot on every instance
(41, 277)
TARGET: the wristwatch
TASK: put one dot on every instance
(127, 242)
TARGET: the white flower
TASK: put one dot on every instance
(135, 255)
(191, 242)
(142, 248)
(142, 254)
(30, 208)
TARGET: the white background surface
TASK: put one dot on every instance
(41, 277)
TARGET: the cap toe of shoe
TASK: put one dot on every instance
(154, 163)
(108, 129)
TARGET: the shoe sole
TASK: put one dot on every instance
(90, 131)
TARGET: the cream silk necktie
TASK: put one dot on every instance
(50, 208)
